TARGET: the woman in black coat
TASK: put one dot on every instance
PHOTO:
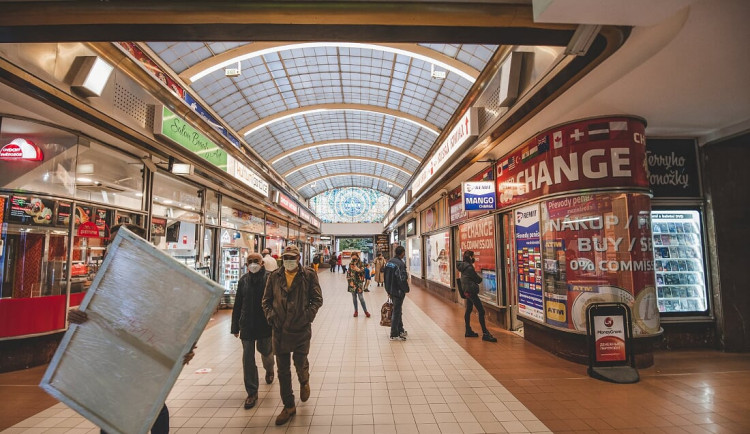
(470, 281)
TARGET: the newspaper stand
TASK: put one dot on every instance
(609, 327)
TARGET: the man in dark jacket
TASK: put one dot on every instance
(470, 281)
(249, 324)
(396, 285)
(291, 301)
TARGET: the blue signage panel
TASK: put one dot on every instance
(478, 196)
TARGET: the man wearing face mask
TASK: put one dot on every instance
(249, 324)
(470, 281)
(291, 300)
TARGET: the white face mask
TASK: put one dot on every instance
(253, 268)
(290, 264)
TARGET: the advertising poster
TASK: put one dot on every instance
(609, 338)
(102, 219)
(437, 254)
(455, 198)
(594, 153)
(31, 210)
(479, 236)
(63, 213)
(158, 227)
(478, 196)
(555, 282)
(529, 262)
(603, 241)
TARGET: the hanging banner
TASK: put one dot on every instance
(172, 127)
(529, 262)
(589, 154)
(455, 198)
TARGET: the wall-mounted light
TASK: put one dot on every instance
(93, 74)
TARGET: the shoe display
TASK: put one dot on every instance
(489, 338)
(269, 377)
(471, 334)
(356, 314)
(367, 314)
(304, 393)
(250, 401)
(285, 415)
(398, 338)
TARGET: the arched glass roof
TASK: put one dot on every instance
(298, 104)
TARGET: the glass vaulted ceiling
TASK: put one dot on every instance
(332, 115)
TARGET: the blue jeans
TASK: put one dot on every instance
(361, 300)
(397, 326)
(249, 369)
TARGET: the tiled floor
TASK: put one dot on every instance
(436, 382)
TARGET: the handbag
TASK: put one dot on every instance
(386, 312)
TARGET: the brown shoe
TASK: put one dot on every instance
(304, 393)
(285, 415)
(250, 401)
(269, 377)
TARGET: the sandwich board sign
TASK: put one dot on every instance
(145, 311)
(609, 327)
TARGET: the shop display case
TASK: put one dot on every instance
(678, 261)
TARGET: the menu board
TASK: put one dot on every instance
(678, 261)
(31, 210)
(63, 213)
(381, 241)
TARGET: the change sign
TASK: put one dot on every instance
(478, 196)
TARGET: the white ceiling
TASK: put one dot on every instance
(688, 76)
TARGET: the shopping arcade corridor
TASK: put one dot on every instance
(511, 386)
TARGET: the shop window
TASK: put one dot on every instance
(53, 173)
(437, 258)
(479, 237)
(212, 208)
(109, 176)
(176, 218)
(414, 256)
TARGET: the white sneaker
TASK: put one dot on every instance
(397, 338)
(404, 333)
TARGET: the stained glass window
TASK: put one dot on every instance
(351, 205)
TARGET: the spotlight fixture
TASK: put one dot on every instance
(93, 74)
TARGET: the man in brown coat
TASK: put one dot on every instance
(291, 300)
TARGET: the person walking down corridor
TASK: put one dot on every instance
(291, 300)
(332, 262)
(269, 262)
(250, 325)
(397, 286)
(316, 262)
(379, 264)
(470, 281)
(338, 262)
(355, 278)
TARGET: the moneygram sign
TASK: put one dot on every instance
(466, 129)
(478, 196)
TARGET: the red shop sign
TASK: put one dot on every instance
(88, 230)
(21, 149)
(593, 153)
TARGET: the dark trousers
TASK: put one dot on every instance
(333, 268)
(249, 369)
(473, 300)
(397, 326)
(343, 269)
(161, 424)
(285, 374)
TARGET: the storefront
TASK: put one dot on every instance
(242, 230)
(578, 200)
(413, 249)
(276, 235)
(433, 224)
(59, 196)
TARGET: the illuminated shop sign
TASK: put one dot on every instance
(467, 128)
(594, 153)
(21, 149)
(247, 175)
(286, 203)
(478, 195)
(172, 127)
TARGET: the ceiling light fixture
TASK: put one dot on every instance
(319, 110)
(374, 47)
(307, 147)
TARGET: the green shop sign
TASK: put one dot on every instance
(171, 126)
